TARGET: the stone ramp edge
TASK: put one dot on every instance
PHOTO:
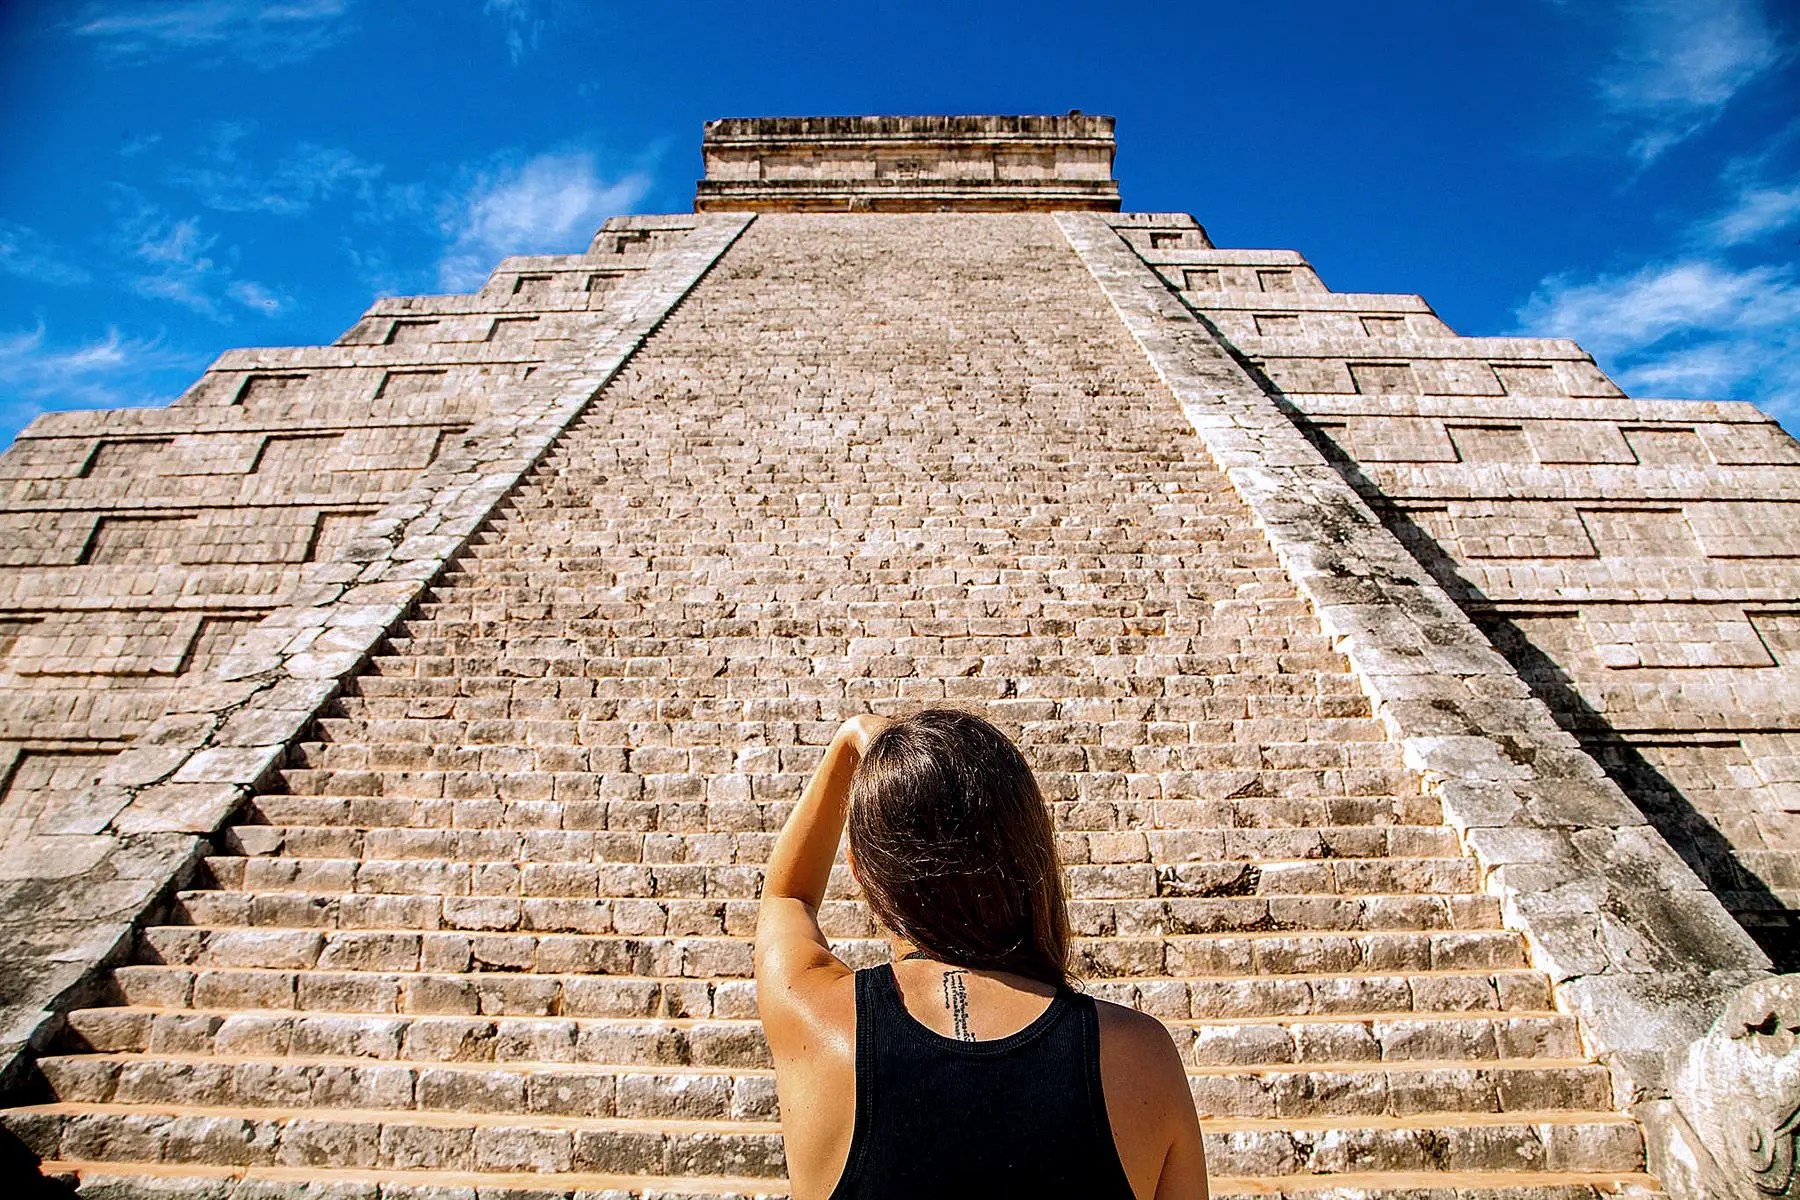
(136, 834)
(1636, 947)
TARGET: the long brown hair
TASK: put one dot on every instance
(954, 849)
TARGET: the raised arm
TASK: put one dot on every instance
(792, 954)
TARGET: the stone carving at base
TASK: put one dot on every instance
(1739, 1092)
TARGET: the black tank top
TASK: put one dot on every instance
(1022, 1115)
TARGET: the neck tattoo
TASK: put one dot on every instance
(956, 999)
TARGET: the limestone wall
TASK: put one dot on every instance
(1637, 560)
(140, 544)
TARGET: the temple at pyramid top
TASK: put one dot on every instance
(908, 164)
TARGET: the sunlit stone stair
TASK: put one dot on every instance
(493, 930)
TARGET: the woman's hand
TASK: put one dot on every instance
(800, 862)
(861, 729)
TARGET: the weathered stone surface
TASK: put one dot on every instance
(908, 164)
(1738, 1097)
(490, 778)
(189, 772)
(1608, 909)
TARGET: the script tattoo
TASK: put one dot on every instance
(956, 999)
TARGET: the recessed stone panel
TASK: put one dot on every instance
(513, 329)
(115, 643)
(298, 455)
(1514, 530)
(1747, 528)
(1640, 532)
(1491, 443)
(1562, 441)
(1675, 636)
(1667, 446)
(1384, 378)
(262, 389)
(1746, 444)
(1521, 379)
(38, 781)
(136, 541)
(397, 385)
(1780, 632)
(331, 531)
(415, 331)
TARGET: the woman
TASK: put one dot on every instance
(969, 1067)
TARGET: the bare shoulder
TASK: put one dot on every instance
(1148, 1103)
(809, 1011)
(810, 1021)
(1136, 1041)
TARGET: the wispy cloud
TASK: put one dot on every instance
(111, 372)
(28, 254)
(1691, 327)
(1758, 209)
(1716, 313)
(524, 22)
(550, 204)
(1679, 62)
(1618, 314)
(255, 297)
(258, 31)
(178, 261)
(225, 179)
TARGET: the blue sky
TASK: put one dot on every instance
(182, 177)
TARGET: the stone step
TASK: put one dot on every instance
(302, 840)
(521, 774)
(436, 630)
(412, 901)
(199, 1181)
(1038, 697)
(422, 873)
(1275, 953)
(495, 994)
(156, 1181)
(1204, 720)
(965, 677)
(1179, 668)
(601, 1089)
(1226, 693)
(1520, 1141)
(815, 586)
(1274, 742)
(1466, 1038)
(536, 800)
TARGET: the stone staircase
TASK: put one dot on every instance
(492, 929)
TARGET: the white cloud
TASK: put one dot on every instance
(1757, 210)
(256, 297)
(30, 255)
(1614, 314)
(179, 265)
(523, 22)
(1679, 62)
(258, 31)
(551, 204)
(114, 371)
(140, 145)
(304, 176)
(1693, 327)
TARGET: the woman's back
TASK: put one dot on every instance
(930, 1078)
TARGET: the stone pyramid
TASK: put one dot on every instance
(395, 729)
